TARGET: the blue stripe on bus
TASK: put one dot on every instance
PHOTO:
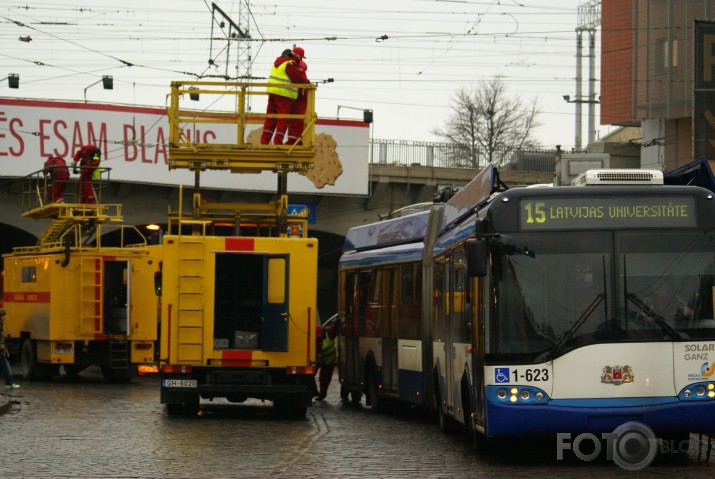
(411, 386)
(613, 402)
(522, 420)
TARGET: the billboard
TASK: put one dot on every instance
(133, 141)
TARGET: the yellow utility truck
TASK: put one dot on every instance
(84, 294)
(239, 281)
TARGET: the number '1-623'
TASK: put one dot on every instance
(531, 374)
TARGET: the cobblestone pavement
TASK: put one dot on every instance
(91, 429)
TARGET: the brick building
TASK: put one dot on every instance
(658, 72)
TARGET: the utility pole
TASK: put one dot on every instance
(589, 17)
(238, 33)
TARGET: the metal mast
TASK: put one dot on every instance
(589, 17)
(234, 33)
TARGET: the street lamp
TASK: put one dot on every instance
(366, 118)
(366, 114)
(107, 84)
(13, 80)
(591, 118)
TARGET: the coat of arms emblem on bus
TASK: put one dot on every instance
(617, 374)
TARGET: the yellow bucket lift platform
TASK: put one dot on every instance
(229, 114)
(69, 218)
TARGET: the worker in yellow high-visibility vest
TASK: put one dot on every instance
(281, 96)
(327, 358)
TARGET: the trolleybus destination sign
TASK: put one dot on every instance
(564, 213)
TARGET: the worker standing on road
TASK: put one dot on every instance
(5, 354)
(296, 125)
(327, 359)
(281, 96)
(59, 174)
(87, 159)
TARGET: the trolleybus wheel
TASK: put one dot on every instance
(481, 443)
(373, 397)
(446, 423)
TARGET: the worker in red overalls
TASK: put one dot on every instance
(88, 159)
(59, 174)
(296, 125)
(280, 96)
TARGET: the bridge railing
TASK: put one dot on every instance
(449, 155)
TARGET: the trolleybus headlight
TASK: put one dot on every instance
(525, 395)
(539, 396)
(700, 391)
(501, 394)
(687, 393)
(512, 398)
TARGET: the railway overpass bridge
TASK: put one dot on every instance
(392, 186)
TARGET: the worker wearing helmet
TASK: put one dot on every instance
(281, 96)
(87, 159)
(59, 175)
(296, 125)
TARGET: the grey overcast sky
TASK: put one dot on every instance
(403, 59)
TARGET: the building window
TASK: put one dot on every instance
(667, 54)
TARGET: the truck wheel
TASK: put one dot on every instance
(31, 369)
(183, 409)
(174, 409)
(29, 360)
(116, 375)
(287, 409)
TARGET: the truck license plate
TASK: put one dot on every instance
(180, 383)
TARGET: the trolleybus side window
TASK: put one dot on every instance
(372, 310)
(459, 295)
(362, 298)
(408, 309)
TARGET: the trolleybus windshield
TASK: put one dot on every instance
(552, 292)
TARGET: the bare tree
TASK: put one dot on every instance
(485, 123)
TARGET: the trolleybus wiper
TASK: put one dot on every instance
(553, 352)
(659, 320)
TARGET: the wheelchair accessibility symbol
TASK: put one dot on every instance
(501, 375)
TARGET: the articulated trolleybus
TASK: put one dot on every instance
(539, 310)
